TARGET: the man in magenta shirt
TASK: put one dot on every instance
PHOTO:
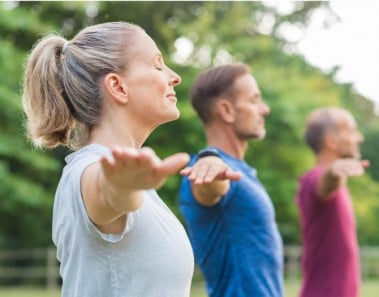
(330, 259)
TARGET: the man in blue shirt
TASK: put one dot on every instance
(229, 216)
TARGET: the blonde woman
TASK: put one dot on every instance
(102, 94)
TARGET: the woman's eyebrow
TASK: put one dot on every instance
(157, 56)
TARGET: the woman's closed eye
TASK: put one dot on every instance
(158, 62)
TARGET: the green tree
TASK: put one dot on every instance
(217, 32)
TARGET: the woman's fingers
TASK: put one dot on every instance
(173, 164)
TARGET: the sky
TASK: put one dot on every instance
(352, 43)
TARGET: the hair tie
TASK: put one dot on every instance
(64, 47)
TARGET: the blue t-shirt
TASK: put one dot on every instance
(236, 242)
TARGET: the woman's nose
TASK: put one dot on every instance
(175, 78)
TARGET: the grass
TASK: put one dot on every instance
(370, 288)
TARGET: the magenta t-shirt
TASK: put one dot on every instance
(330, 259)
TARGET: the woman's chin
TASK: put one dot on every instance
(174, 115)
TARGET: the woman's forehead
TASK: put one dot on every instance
(145, 47)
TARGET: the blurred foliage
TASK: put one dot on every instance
(219, 32)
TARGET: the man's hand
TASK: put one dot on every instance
(337, 174)
(209, 169)
(344, 168)
(210, 178)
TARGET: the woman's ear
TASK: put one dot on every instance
(225, 110)
(116, 88)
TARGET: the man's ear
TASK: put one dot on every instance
(225, 110)
(116, 88)
(330, 141)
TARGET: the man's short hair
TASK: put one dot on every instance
(211, 84)
(320, 122)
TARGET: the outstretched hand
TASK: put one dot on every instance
(131, 169)
(121, 178)
(337, 174)
(209, 169)
(344, 168)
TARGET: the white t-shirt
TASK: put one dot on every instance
(152, 257)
